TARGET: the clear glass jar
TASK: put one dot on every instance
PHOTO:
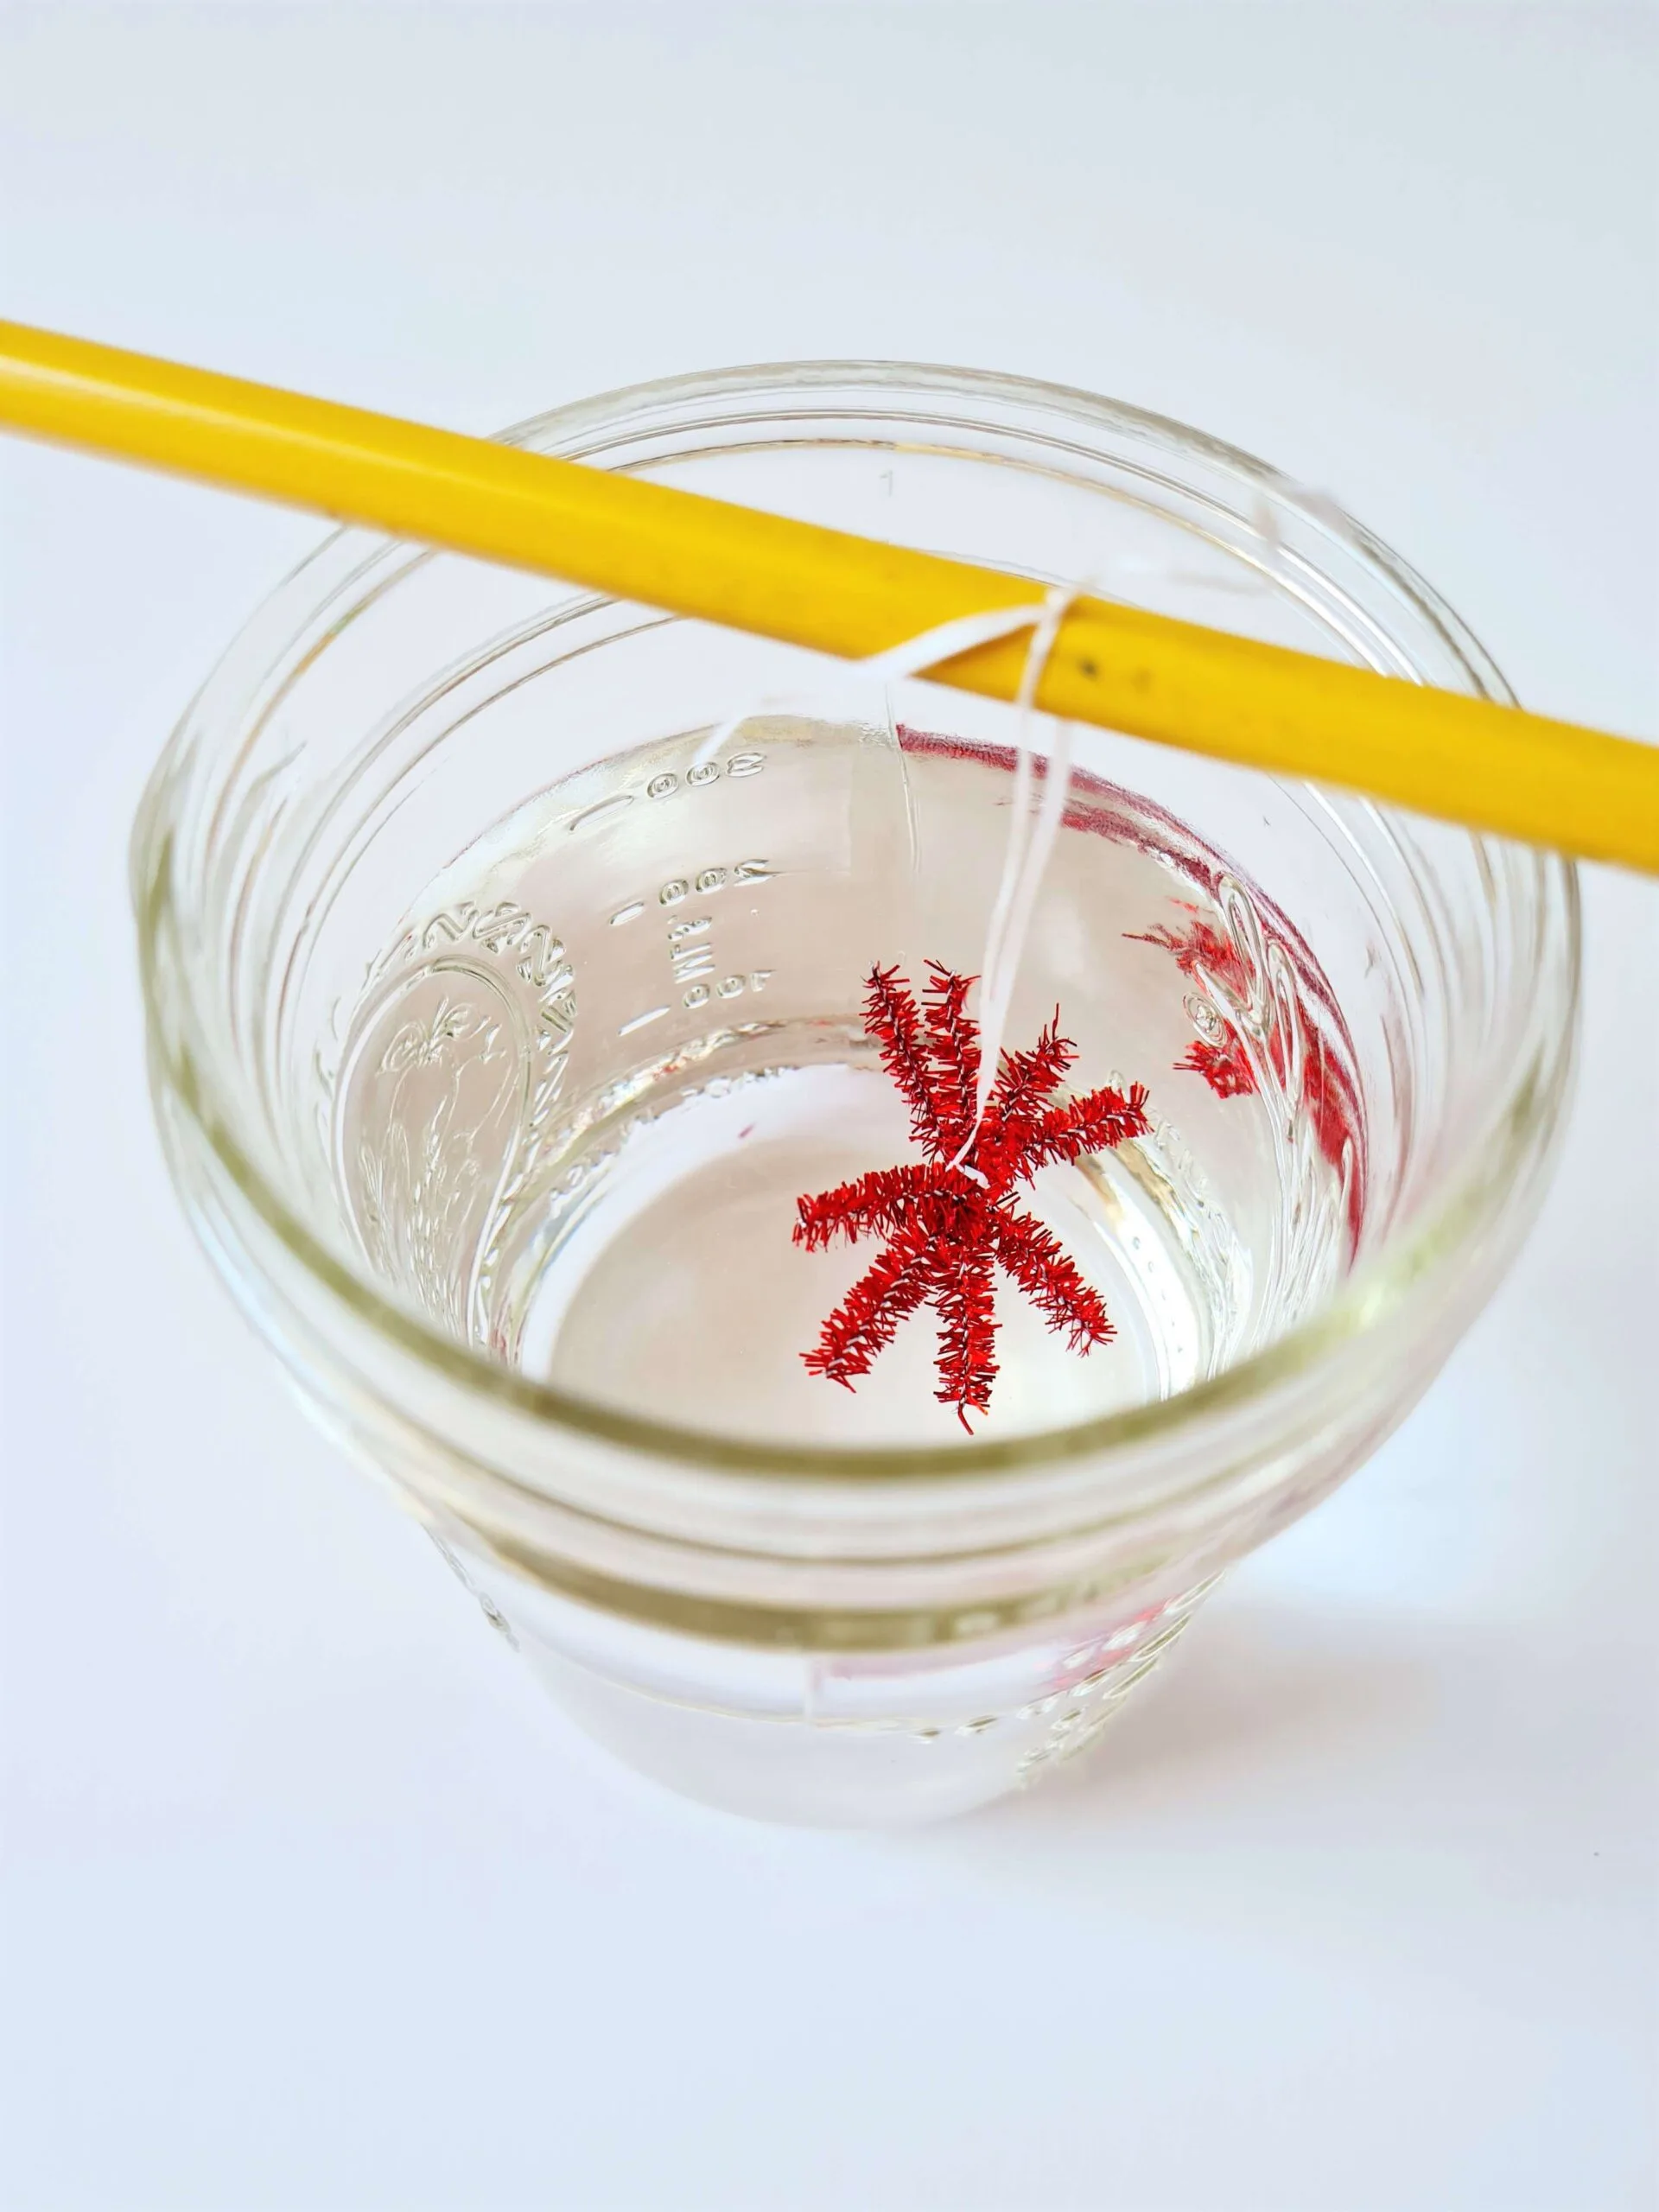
(838, 1625)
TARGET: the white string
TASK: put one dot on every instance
(1031, 843)
(911, 657)
(1031, 839)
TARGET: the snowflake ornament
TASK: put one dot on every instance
(949, 1222)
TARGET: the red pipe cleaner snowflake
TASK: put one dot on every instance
(1224, 1065)
(1328, 1096)
(950, 1221)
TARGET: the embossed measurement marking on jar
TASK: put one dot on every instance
(706, 880)
(710, 879)
(730, 986)
(691, 956)
(687, 959)
(602, 811)
(667, 782)
(702, 773)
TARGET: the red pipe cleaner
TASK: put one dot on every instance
(949, 1222)
(1327, 1095)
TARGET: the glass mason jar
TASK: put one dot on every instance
(435, 839)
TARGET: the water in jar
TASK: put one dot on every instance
(619, 1035)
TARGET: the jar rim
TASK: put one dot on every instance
(1372, 1291)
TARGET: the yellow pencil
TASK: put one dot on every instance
(1468, 760)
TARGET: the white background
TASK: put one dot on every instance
(308, 1901)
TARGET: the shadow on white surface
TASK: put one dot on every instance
(1254, 1695)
